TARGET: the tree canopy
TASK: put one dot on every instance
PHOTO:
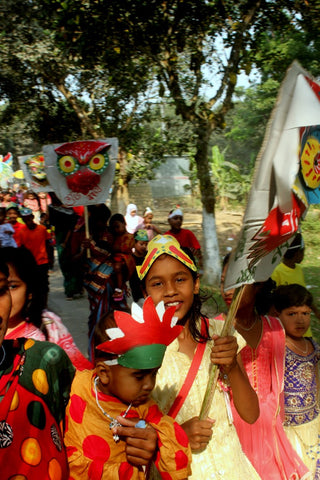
(109, 62)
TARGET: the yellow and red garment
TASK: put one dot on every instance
(91, 449)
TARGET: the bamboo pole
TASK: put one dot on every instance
(86, 225)
(214, 372)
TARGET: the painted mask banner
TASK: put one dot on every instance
(286, 180)
(33, 168)
(81, 172)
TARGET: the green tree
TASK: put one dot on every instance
(229, 183)
(190, 50)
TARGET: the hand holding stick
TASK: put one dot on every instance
(214, 373)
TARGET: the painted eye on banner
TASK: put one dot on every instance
(99, 162)
(310, 162)
(67, 165)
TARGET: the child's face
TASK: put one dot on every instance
(295, 320)
(141, 248)
(119, 228)
(28, 220)
(131, 385)
(175, 222)
(12, 215)
(148, 218)
(18, 290)
(169, 280)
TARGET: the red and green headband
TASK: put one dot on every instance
(140, 339)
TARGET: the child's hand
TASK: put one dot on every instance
(224, 352)
(199, 432)
(141, 443)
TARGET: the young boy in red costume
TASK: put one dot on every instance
(127, 358)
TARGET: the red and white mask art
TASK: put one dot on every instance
(81, 172)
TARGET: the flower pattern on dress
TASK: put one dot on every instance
(301, 403)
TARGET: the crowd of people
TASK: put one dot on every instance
(130, 409)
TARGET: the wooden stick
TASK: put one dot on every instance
(86, 224)
(214, 372)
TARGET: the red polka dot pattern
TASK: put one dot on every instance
(125, 471)
(154, 414)
(181, 460)
(181, 435)
(77, 408)
(95, 447)
(95, 471)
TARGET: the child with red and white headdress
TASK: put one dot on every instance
(129, 351)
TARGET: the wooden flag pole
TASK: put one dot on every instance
(86, 224)
(214, 372)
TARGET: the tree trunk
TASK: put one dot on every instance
(120, 199)
(85, 123)
(211, 257)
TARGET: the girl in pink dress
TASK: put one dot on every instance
(26, 319)
(265, 442)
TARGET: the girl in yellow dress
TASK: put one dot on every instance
(169, 274)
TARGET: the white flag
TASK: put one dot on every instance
(286, 180)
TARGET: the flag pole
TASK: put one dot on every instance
(214, 372)
(86, 224)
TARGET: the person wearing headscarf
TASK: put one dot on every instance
(132, 218)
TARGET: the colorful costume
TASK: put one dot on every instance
(97, 281)
(265, 442)
(223, 457)
(92, 451)
(122, 248)
(39, 375)
(302, 419)
(56, 333)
